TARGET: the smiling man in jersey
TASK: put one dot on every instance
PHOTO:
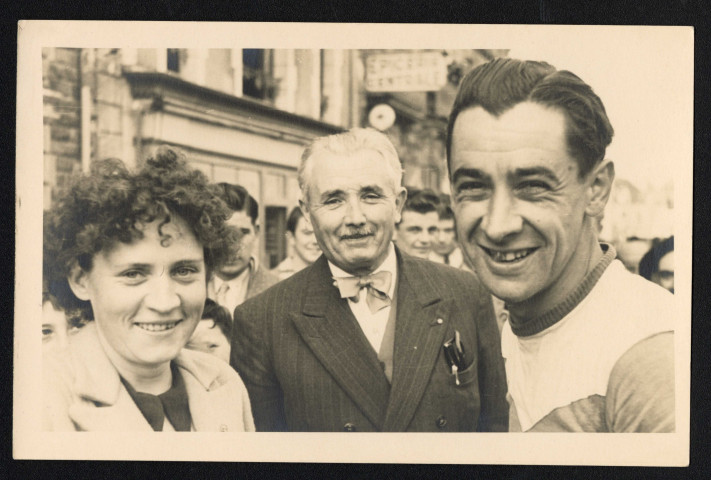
(589, 346)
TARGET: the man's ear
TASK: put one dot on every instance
(399, 204)
(256, 227)
(600, 188)
(78, 282)
(304, 206)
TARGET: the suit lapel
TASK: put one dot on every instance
(254, 283)
(418, 338)
(328, 327)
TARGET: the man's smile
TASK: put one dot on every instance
(508, 256)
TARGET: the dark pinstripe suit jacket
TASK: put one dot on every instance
(308, 366)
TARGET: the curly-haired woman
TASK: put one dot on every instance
(133, 251)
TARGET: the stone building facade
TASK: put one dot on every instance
(242, 115)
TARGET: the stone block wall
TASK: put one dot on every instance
(111, 115)
(62, 118)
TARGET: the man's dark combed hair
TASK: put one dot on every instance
(294, 216)
(445, 207)
(499, 85)
(445, 212)
(220, 316)
(239, 200)
(421, 201)
(111, 204)
(649, 264)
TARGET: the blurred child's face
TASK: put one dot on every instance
(54, 327)
(665, 275)
(209, 338)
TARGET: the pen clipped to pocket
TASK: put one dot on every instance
(454, 354)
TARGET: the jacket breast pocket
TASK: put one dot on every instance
(464, 377)
(460, 403)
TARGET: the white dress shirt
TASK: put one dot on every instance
(372, 324)
(456, 259)
(230, 293)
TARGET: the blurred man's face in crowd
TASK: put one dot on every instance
(239, 261)
(416, 232)
(665, 275)
(519, 202)
(353, 207)
(445, 241)
(305, 244)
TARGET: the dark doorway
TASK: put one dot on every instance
(275, 235)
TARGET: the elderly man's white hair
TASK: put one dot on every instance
(348, 143)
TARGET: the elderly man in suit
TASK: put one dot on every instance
(368, 338)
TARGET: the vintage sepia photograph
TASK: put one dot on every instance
(381, 243)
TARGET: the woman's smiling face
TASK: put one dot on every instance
(147, 297)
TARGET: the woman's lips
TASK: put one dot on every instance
(157, 326)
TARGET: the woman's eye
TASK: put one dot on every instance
(132, 274)
(133, 277)
(184, 272)
(47, 331)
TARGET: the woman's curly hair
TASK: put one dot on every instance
(111, 205)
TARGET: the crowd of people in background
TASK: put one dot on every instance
(158, 314)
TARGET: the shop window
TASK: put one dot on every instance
(258, 77)
(275, 235)
(173, 59)
(431, 178)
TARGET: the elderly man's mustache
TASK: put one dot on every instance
(356, 234)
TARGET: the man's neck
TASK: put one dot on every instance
(554, 294)
(298, 263)
(360, 272)
(445, 254)
(231, 276)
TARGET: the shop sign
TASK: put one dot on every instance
(405, 72)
